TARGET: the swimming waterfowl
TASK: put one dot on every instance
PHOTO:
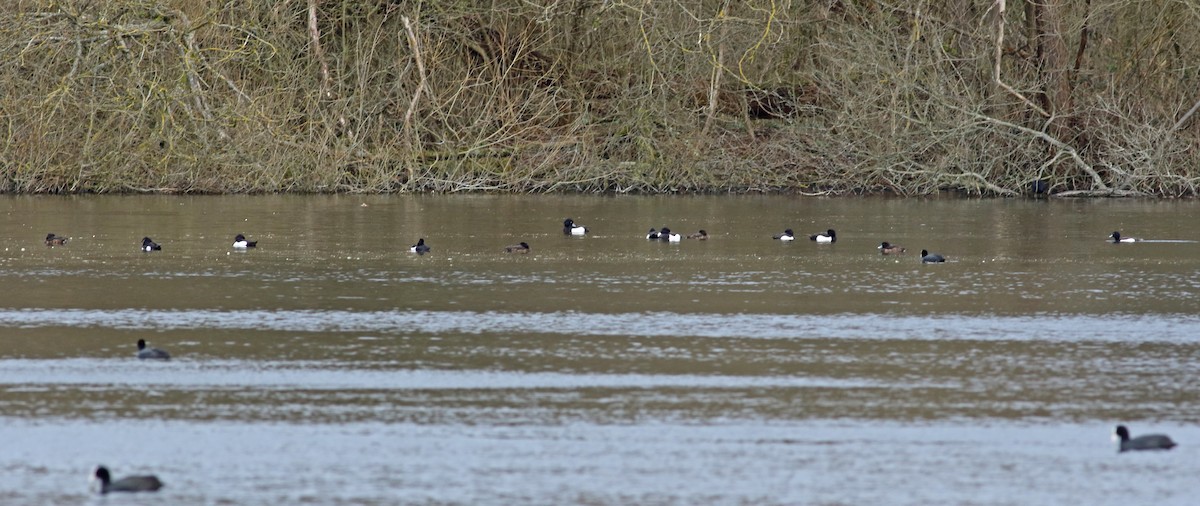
(891, 249)
(570, 228)
(666, 235)
(240, 242)
(827, 237)
(419, 248)
(55, 240)
(931, 258)
(148, 245)
(1147, 442)
(522, 248)
(1039, 186)
(701, 235)
(653, 235)
(145, 483)
(151, 353)
(787, 235)
(1116, 238)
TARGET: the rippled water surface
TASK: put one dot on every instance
(331, 366)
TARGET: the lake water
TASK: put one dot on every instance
(331, 366)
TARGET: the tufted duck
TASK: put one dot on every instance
(890, 249)
(419, 248)
(522, 248)
(1116, 238)
(570, 228)
(240, 242)
(827, 237)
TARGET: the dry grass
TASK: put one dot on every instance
(594, 96)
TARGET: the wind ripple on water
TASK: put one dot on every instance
(1104, 328)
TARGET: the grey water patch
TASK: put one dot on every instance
(1034, 327)
(736, 462)
(24, 375)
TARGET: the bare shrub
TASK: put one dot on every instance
(807, 96)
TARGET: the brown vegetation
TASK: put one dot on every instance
(1094, 97)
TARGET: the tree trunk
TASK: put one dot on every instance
(1054, 65)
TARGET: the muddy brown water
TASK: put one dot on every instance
(331, 366)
